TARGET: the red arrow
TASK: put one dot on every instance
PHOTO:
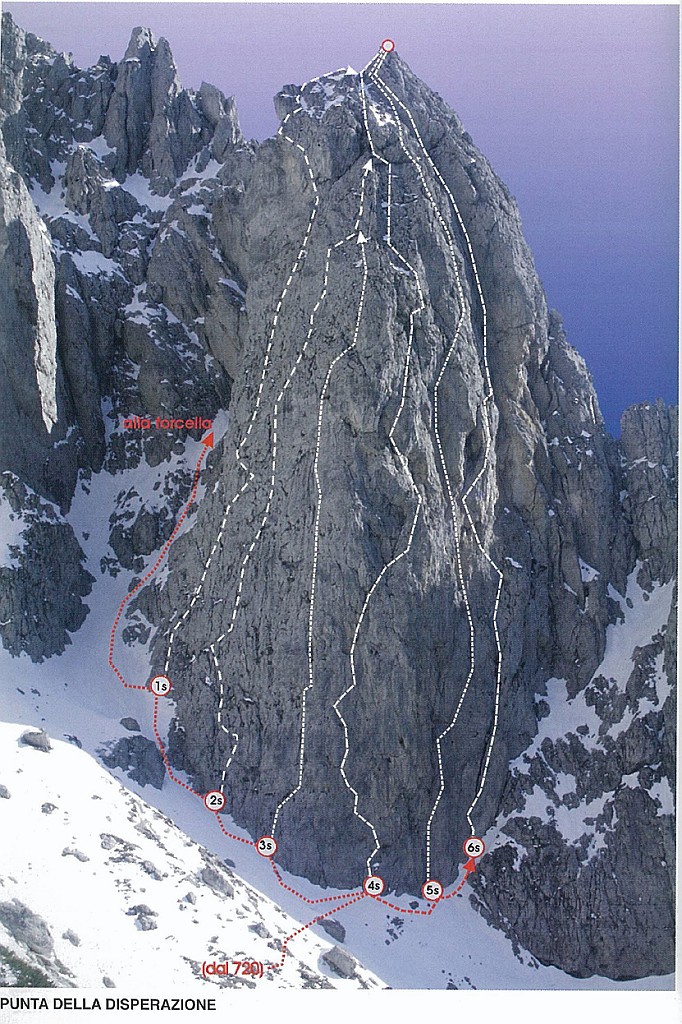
(207, 443)
(470, 865)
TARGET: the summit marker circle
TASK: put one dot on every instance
(388, 45)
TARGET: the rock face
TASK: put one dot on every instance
(27, 927)
(38, 740)
(42, 581)
(593, 796)
(140, 757)
(83, 342)
(425, 593)
(649, 455)
(28, 342)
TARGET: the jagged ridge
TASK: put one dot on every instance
(193, 234)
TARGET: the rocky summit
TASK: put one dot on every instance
(422, 594)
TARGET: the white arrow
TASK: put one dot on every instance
(361, 238)
(369, 166)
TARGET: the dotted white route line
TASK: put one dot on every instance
(316, 534)
(390, 97)
(363, 96)
(401, 458)
(367, 168)
(266, 362)
(234, 735)
(486, 404)
(446, 476)
(317, 78)
(354, 682)
(349, 787)
(456, 209)
(278, 401)
(273, 468)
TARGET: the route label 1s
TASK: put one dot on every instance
(161, 686)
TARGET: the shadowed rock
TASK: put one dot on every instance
(140, 758)
(38, 740)
(27, 927)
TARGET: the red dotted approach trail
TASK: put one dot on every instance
(337, 902)
(432, 892)
(206, 443)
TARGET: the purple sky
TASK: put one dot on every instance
(575, 106)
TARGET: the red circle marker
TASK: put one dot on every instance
(388, 45)
(432, 890)
(266, 846)
(214, 801)
(161, 686)
(473, 847)
(373, 885)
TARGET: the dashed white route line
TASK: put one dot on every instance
(273, 467)
(446, 476)
(275, 414)
(488, 442)
(254, 414)
(372, 69)
(390, 97)
(378, 59)
(235, 736)
(487, 400)
(401, 458)
(316, 533)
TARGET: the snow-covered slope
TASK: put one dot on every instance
(96, 885)
(75, 695)
(169, 240)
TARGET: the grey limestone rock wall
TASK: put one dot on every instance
(605, 774)
(560, 507)
(31, 386)
(386, 458)
(89, 334)
(43, 581)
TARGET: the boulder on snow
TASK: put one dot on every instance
(335, 929)
(39, 740)
(151, 869)
(131, 724)
(26, 927)
(260, 930)
(144, 917)
(340, 962)
(216, 881)
(140, 757)
(71, 851)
